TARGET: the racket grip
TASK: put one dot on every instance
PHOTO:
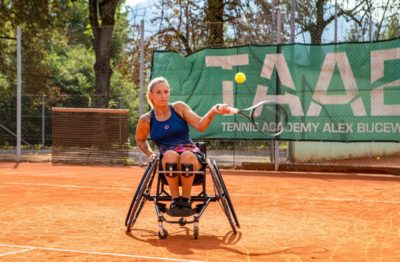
(233, 110)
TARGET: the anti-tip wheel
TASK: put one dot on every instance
(182, 221)
(196, 233)
(163, 234)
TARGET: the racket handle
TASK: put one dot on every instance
(233, 110)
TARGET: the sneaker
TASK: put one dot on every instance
(174, 207)
(185, 203)
(180, 208)
(186, 207)
(175, 203)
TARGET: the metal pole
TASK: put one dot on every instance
(273, 21)
(292, 20)
(336, 22)
(19, 92)
(371, 25)
(43, 120)
(141, 67)
(141, 76)
(291, 144)
(278, 42)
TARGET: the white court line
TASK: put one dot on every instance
(16, 252)
(234, 194)
(321, 198)
(69, 186)
(99, 253)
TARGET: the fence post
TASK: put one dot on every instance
(141, 67)
(291, 144)
(273, 21)
(43, 120)
(371, 25)
(336, 22)
(141, 91)
(292, 20)
(278, 42)
(19, 92)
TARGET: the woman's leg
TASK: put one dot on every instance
(171, 156)
(188, 157)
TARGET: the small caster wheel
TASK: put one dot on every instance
(163, 234)
(182, 221)
(196, 233)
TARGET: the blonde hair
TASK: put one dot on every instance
(151, 85)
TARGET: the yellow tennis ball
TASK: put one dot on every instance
(240, 77)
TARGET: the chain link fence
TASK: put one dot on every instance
(58, 71)
(8, 83)
(269, 23)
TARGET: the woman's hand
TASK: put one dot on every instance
(151, 157)
(222, 109)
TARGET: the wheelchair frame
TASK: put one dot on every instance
(143, 194)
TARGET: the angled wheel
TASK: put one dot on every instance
(141, 195)
(225, 190)
(223, 196)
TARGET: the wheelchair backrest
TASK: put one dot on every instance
(202, 146)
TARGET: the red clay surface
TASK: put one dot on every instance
(77, 213)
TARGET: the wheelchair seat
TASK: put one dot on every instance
(162, 197)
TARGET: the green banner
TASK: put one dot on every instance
(343, 92)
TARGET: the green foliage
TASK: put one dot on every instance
(393, 29)
(71, 66)
(58, 61)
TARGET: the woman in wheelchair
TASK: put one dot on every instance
(167, 124)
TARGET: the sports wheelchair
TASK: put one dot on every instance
(143, 194)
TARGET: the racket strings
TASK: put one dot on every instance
(269, 118)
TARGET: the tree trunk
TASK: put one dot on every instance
(102, 43)
(316, 34)
(103, 48)
(215, 25)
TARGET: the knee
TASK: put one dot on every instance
(170, 156)
(187, 157)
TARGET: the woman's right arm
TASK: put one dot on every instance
(142, 131)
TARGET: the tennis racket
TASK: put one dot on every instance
(267, 117)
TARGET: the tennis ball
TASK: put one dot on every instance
(240, 77)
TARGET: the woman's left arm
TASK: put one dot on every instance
(197, 122)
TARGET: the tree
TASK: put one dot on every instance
(58, 55)
(382, 15)
(179, 26)
(190, 25)
(102, 20)
(315, 15)
(214, 22)
(386, 16)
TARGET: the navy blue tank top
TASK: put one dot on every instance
(171, 134)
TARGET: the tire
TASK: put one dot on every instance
(163, 235)
(222, 198)
(141, 195)
(228, 198)
(196, 233)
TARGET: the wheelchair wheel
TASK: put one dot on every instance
(163, 233)
(225, 190)
(141, 195)
(223, 197)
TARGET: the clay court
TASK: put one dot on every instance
(77, 213)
